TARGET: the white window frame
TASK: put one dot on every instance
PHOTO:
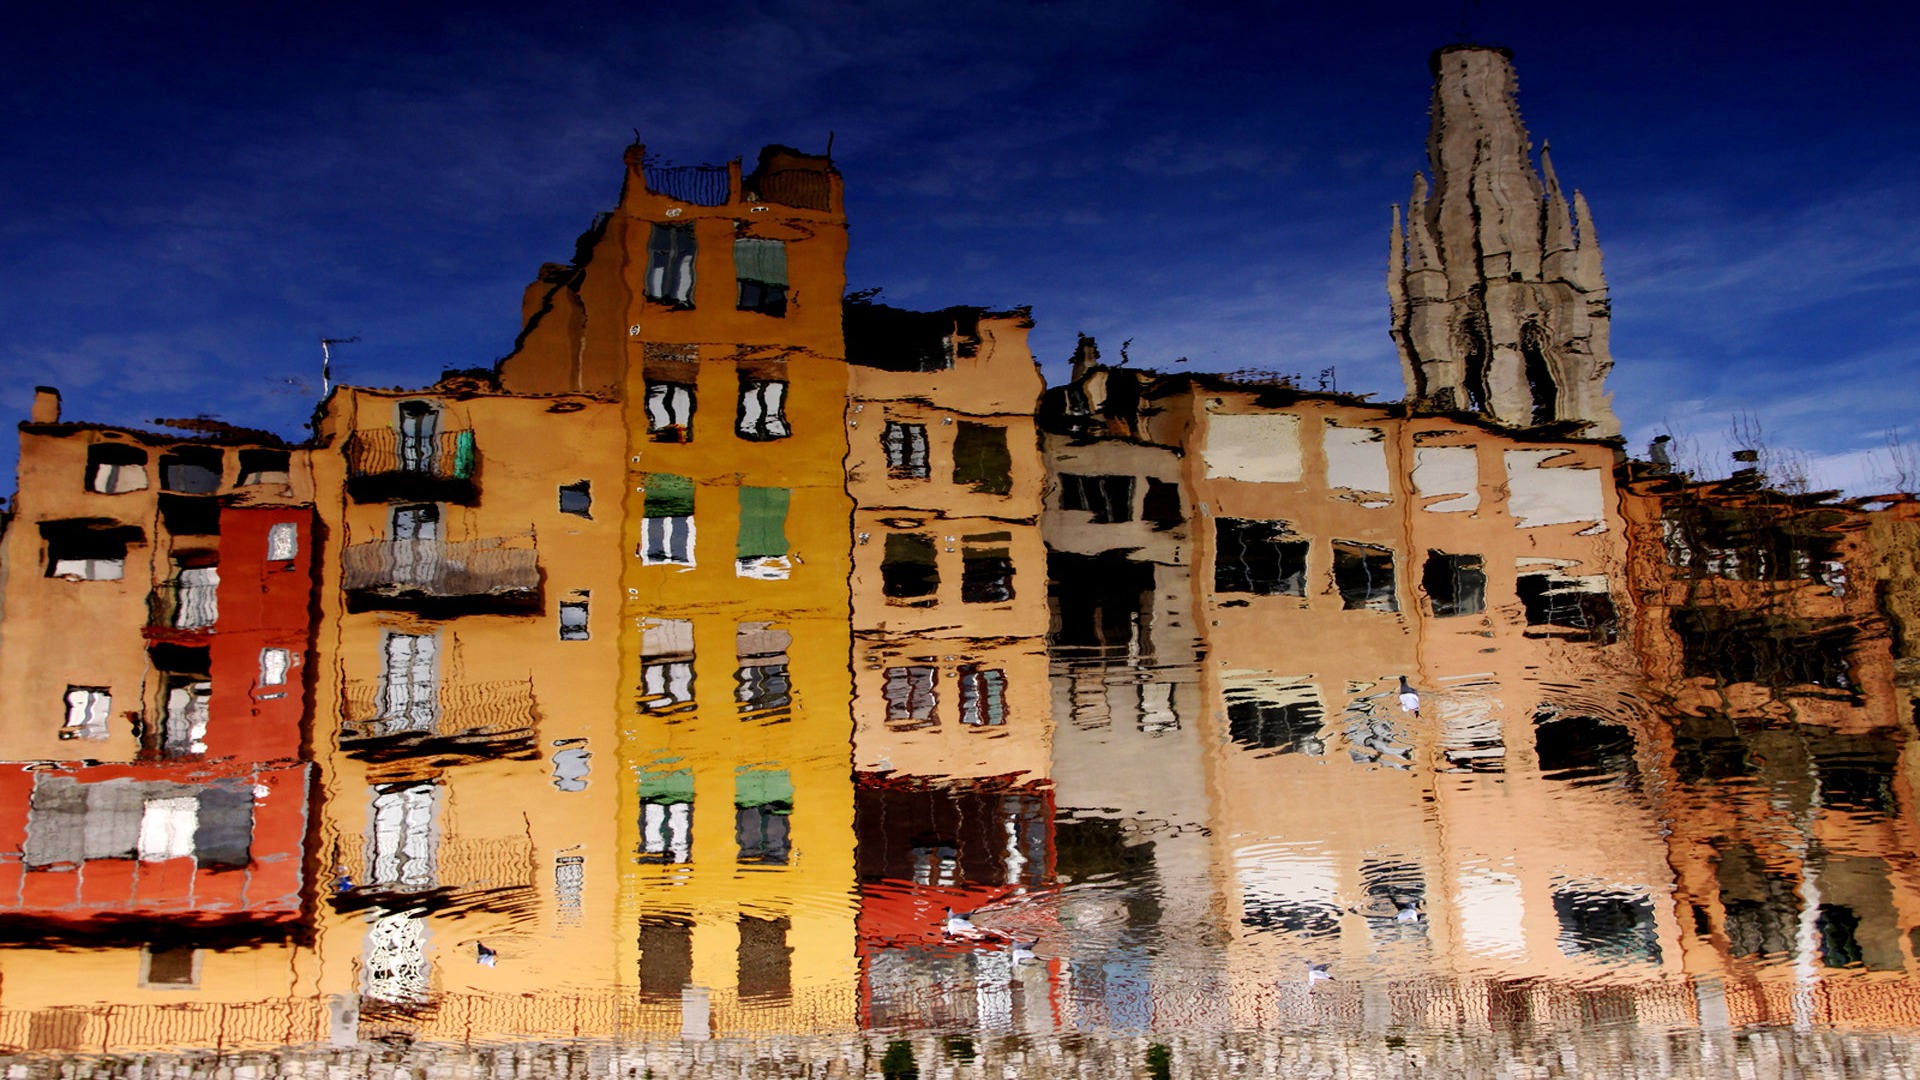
(763, 409)
(167, 828)
(410, 681)
(88, 710)
(667, 541)
(283, 541)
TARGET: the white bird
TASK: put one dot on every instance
(961, 926)
(1409, 698)
(1318, 973)
(1022, 951)
(1409, 912)
(485, 955)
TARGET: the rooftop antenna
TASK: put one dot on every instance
(829, 145)
(326, 361)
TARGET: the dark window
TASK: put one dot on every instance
(1861, 783)
(190, 470)
(1582, 749)
(766, 961)
(577, 499)
(980, 458)
(1455, 584)
(1762, 905)
(983, 696)
(116, 468)
(1290, 727)
(666, 956)
(763, 410)
(170, 965)
(1771, 650)
(761, 267)
(764, 689)
(88, 550)
(986, 568)
(1161, 506)
(762, 815)
(908, 570)
(906, 446)
(1363, 573)
(1839, 930)
(573, 620)
(223, 839)
(265, 467)
(1107, 498)
(190, 515)
(1581, 604)
(1260, 557)
(670, 257)
(1607, 924)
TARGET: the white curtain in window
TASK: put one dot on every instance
(167, 827)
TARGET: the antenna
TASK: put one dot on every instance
(326, 361)
(829, 145)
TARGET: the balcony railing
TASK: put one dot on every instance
(462, 722)
(183, 607)
(384, 465)
(496, 574)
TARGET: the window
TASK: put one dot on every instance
(670, 256)
(1554, 598)
(668, 520)
(88, 708)
(765, 690)
(418, 425)
(906, 447)
(194, 594)
(986, 568)
(573, 620)
(283, 542)
(191, 470)
(983, 696)
(1363, 573)
(405, 837)
(763, 410)
(577, 499)
(1455, 584)
(761, 266)
(765, 958)
(418, 521)
(116, 468)
(666, 957)
(1284, 719)
(274, 664)
(1108, 498)
(1608, 924)
(666, 666)
(911, 697)
(87, 550)
(569, 887)
(980, 458)
(666, 816)
(670, 412)
(169, 966)
(1259, 557)
(190, 515)
(265, 467)
(167, 826)
(1161, 507)
(410, 684)
(762, 808)
(763, 538)
(908, 571)
(396, 966)
(186, 700)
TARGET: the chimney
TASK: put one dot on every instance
(46, 405)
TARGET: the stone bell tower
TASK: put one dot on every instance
(1499, 304)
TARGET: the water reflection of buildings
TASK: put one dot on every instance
(512, 707)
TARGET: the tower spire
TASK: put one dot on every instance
(1500, 308)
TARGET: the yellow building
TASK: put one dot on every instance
(708, 304)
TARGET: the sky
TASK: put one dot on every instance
(192, 195)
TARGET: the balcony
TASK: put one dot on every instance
(385, 466)
(462, 874)
(458, 723)
(441, 578)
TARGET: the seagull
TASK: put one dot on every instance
(1022, 951)
(961, 926)
(1409, 697)
(1318, 973)
(485, 956)
(1409, 912)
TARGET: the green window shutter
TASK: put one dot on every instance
(463, 456)
(763, 522)
(771, 788)
(667, 788)
(764, 261)
(668, 495)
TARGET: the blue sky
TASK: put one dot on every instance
(193, 195)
